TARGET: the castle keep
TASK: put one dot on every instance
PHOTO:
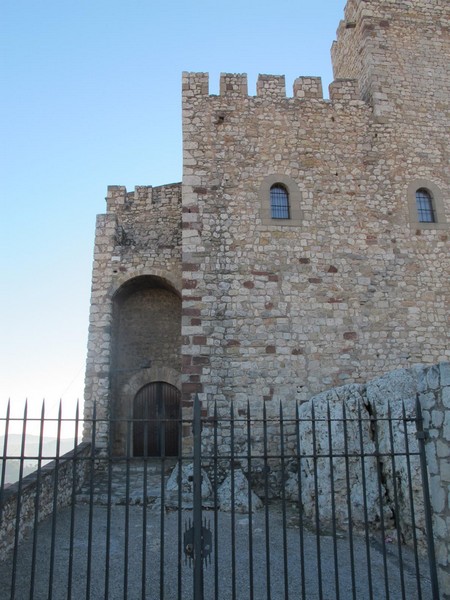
(308, 244)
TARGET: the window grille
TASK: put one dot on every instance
(279, 202)
(425, 209)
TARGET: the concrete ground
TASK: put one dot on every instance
(131, 577)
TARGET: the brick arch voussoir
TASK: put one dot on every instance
(166, 279)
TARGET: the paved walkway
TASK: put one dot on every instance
(147, 568)
(134, 550)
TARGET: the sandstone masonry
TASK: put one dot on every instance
(352, 285)
(135, 322)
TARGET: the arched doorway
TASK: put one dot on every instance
(156, 420)
(145, 347)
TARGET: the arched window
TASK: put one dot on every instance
(426, 205)
(425, 208)
(279, 202)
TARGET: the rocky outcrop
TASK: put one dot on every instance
(185, 479)
(359, 451)
(239, 497)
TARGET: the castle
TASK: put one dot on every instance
(307, 246)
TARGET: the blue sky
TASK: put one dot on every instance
(90, 98)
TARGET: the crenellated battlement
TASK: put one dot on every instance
(308, 87)
(233, 85)
(344, 90)
(271, 87)
(143, 196)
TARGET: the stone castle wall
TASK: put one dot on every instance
(348, 288)
(352, 285)
(136, 279)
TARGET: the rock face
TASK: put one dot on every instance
(187, 486)
(388, 397)
(241, 494)
(359, 443)
(332, 425)
(225, 498)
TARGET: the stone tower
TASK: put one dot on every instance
(312, 234)
(135, 323)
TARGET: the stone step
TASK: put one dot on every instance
(125, 476)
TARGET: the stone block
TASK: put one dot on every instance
(446, 397)
(433, 377)
(241, 494)
(432, 460)
(445, 373)
(437, 495)
(427, 400)
(446, 429)
(445, 470)
(442, 449)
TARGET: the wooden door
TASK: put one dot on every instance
(156, 414)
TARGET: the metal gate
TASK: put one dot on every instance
(259, 505)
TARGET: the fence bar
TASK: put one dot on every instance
(162, 509)
(216, 507)
(233, 513)
(55, 504)
(127, 502)
(366, 518)
(108, 509)
(36, 503)
(72, 507)
(180, 506)
(197, 516)
(250, 505)
(19, 502)
(144, 505)
(421, 436)
(5, 460)
(349, 503)
(283, 507)
(91, 502)
(398, 520)
(300, 503)
(316, 503)
(411, 504)
(266, 503)
(381, 497)
(333, 504)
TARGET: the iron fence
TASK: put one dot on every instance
(304, 502)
